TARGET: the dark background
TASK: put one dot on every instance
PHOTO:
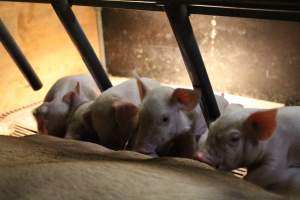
(247, 57)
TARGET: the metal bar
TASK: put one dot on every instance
(259, 4)
(29, 1)
(68, 19)
(12, 48)
(249, 9)
(286, 15)
(131, 4)
(125, 4)
(262, 9)
(181, 26)
(262, 4)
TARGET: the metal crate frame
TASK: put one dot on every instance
(178, 12)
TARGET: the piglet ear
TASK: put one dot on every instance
(186, 99)
(77, 88)
(69, 97)
(261, 124)
(143, 90)
(124, 111)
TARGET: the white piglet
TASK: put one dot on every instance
(52, 114)
(76, 128)
(266, 142)
(113, 115)
(169, 121)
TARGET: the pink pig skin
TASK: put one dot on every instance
(113, 115)
(52, 115)
(267, 142)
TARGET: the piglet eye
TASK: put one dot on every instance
(165, 119)
(234, 138)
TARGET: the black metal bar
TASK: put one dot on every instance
(263, 9)
(131, 4)
(181, 26)
(68, 19)
(12, 48)
(257, 4)
(286, 15)
(260, 4)
(125, 4)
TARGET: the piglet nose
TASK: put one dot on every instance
(202, 157)
(199, 156)
(43, 109)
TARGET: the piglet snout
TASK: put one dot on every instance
(202, 157)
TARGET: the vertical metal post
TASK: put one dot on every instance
(68, 19)
(12, 48)
(179, 19)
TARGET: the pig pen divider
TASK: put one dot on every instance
(178, 12)
(14, 51)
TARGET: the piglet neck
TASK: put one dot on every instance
(75, 108)
(76, 104)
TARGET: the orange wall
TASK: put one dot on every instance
(47, 46)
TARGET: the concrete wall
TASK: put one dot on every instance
(47, 46)
(248, 57)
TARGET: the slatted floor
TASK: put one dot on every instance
(20, 131)
(19, 122)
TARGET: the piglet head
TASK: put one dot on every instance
(113, 119)
(51, 116)
(235, 139)
(162, 116)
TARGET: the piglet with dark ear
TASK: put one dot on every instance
(267, 142)
(51, 116)
(113, 115)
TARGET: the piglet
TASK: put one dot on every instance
(113, 115)
(52, 115)
(266, 142)
(170, 121)
(76, 128)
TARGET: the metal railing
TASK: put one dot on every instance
(178, 12)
